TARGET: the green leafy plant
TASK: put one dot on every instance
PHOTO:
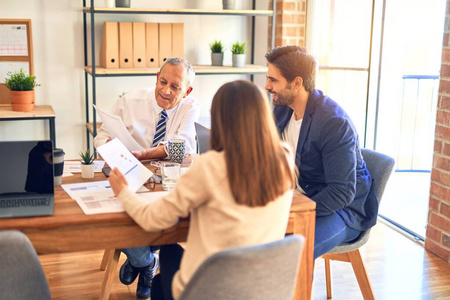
(216, 47)
(19, 81)
(238, 48)
(86, 157)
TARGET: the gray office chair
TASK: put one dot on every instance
(21, 274)
(202, 138)
(380, 167)
(266, 271)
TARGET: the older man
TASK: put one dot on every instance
(332, 171)
(151, 115)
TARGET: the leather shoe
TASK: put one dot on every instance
(145, 278)
(128, 273)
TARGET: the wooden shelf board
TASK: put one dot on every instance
(90, 127)
(186, 11)
(199, 70)
(6, 112)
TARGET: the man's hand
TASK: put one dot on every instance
(151, 153)
(117, 181)
(139, 154)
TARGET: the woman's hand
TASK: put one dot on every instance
(117, 181)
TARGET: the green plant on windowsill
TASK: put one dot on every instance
(238, 48)
(216, 46)
(19, 81)
(86, 157)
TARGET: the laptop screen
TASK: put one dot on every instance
(26, 172)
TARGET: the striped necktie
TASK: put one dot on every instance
(160, 129)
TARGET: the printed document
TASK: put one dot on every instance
(98, 198)
(73, 166)
(117, 155)
(116, 129)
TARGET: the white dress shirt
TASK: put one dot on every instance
(140, 114)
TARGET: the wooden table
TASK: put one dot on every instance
(40, 112)
(70, 230)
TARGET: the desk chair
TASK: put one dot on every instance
(380, 167)
(203, 134)
(266, 271)
(21, 274)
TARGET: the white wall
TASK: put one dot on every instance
(57, 28)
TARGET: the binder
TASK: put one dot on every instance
(125, 45)
(139, 60)
(152, 45)
(165, 42)
(109, 49)
(177, 39)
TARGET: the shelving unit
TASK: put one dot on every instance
(96, 71)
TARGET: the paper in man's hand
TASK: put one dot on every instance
(117, 129)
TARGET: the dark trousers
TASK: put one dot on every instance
(169, 259)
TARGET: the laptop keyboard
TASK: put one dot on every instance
(24, 202)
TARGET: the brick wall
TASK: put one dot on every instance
(290, 22)
(438, 228)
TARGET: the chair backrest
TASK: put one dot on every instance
(266, 271)
(203, 134)
(21, 274)
(380, 167)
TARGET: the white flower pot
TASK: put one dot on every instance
(110, 3)
(87, 171)
(238, 60)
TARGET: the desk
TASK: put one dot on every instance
(70, 230)
(40, 112)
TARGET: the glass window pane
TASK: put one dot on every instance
(349, 89)
(343, 29)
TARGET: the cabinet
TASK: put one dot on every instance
(94, 71)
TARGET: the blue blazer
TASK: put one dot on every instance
(332, 170)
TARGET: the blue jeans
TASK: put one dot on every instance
(331, 231)
(140, 257)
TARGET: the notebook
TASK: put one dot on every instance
(26, 173)
(203, 134)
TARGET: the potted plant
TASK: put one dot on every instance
(238, 57)
(21, 87)
(216, 53)
(228, 4)
(122, 3)
(87, 164)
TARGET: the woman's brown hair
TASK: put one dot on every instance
(242, 126)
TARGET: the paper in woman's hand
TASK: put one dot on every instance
(117, 155)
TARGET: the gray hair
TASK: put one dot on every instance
(179, 61)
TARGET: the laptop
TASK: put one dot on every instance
(26, 179)
(203, 134)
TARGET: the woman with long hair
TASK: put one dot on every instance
(237, 194)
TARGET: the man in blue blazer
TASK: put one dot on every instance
(332, 171)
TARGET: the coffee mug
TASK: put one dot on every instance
(177, 149)
(58, 165)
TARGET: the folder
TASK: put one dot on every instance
(109, 49)
(125, 45)
(152, 44)
(139, 60)
(165, 42)
(177, 39)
